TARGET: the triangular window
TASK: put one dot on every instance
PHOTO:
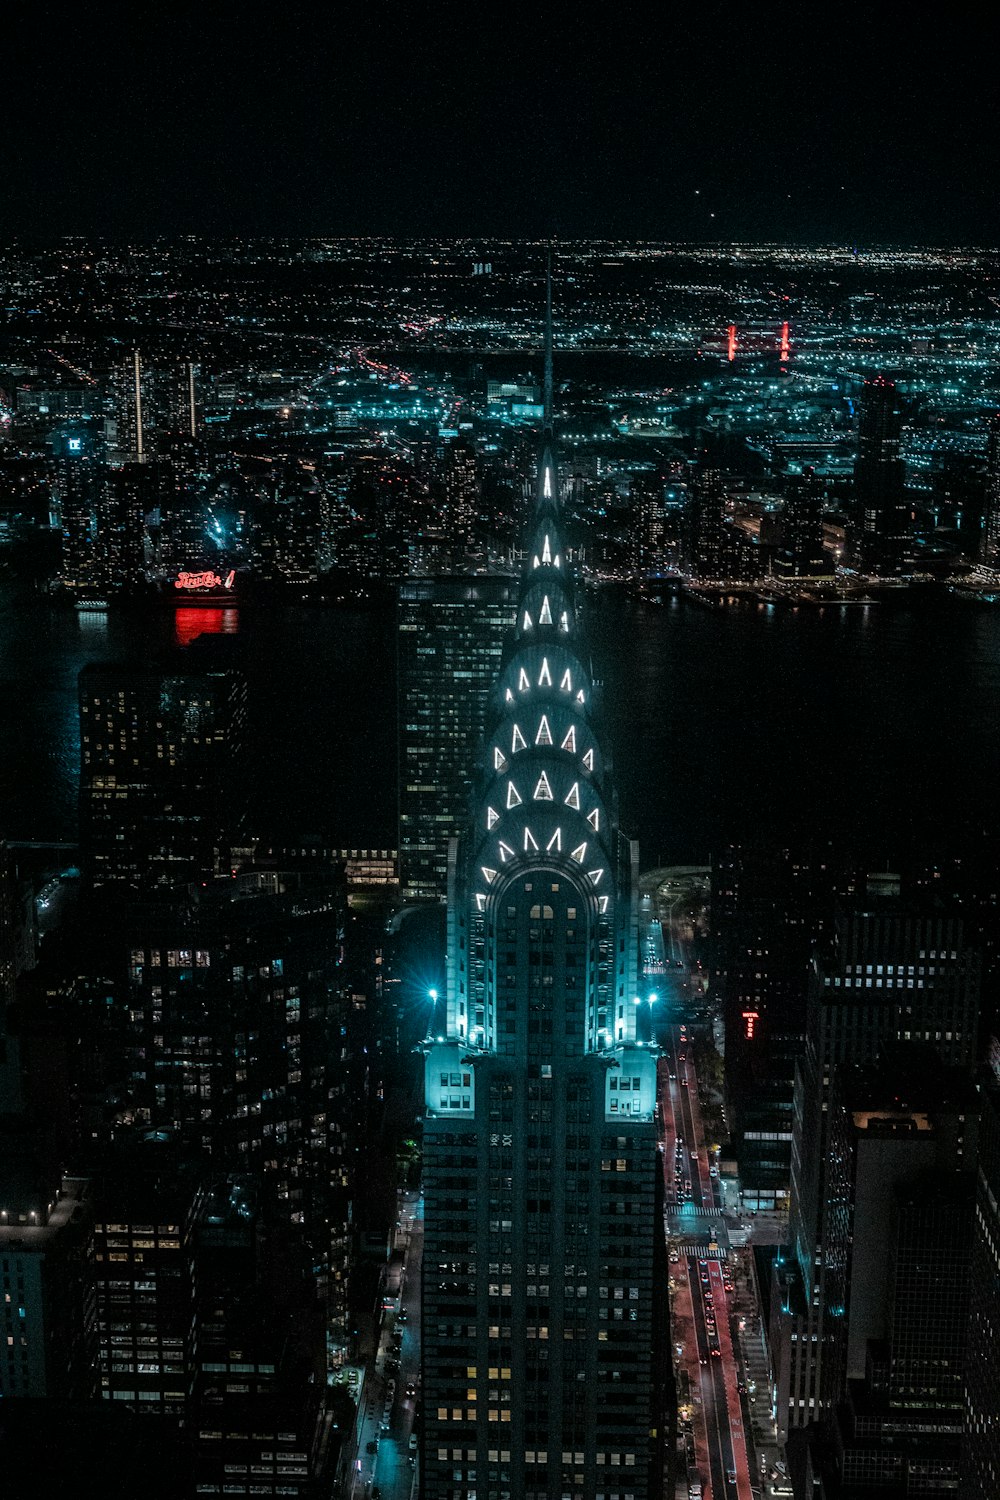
(545, 676)
(506, 852)
(499, 759)
(544, 735)
(526, 623)
(588, 760)
(491, 875)
(523, 681)
(579, 853)
(543, 792)
(572, 798)
(594, 819)
(545, 613)
(517, 741)
(567, 681)
(513, 796)
(529, 842)
(569, 743)
(492, 816)
(555, 842)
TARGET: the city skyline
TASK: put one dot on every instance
(519, 1160)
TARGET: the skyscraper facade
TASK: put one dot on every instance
(989, 545)
(981, 1444)
(161, 765)
(888, 975)
(450, 634)
(539, 1329)
(884, 514)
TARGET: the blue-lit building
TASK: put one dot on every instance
(540, 1321)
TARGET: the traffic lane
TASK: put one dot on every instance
(714, 1410)
(729, 1372)
(690, 1334)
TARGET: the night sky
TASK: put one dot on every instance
(861, 122)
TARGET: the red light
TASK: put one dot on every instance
(784, 343)
(750, 1017)
(732, 342)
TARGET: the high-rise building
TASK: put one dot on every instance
(989, 546)
(903, 1145)
(126, 431)
(708, 540)
(885, 516)
(802, 554)
(543, 1208)
(770, 907)
(887, 975)
(450, 634)
(161, 788)
(981, 1445)
(462, 494)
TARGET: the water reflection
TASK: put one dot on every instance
(193, 621)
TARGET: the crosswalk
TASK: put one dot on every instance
(701, 1251)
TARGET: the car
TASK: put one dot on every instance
(716, 1352)
(411, 1389)
(401, 1317)
(413, 1442)
(730, 1476)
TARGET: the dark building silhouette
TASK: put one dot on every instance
(543, 1238)
(770, 908)
(885, 516)
(902, 1149)
(450, 634)
(161, 787)
(989, 546)
(888, 974)
(981, 1445)
(802, 554)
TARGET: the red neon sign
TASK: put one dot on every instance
(750, 1017)
(784, 343)
(731, 346)
(206, 580)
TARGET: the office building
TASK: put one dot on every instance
(989, 545)
(161, 793)
(981, 1444)
(541, 1334)
(887, 975)
(885, 516)
(450, 634)
(903, 1139)
(146, 1200)
(126, 430)
(462, 498)
(802, 554)
(770, 907)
